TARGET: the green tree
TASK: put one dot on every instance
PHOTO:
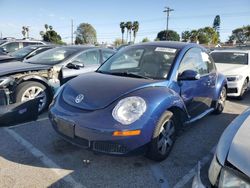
(51, 35)
(129, 30)
(46, 27)
(216, 23)
(171, 35)
(118, 42)
(135, 29)
(185, 36)
(85, 34)
(241, 35)
(122, 26)
(145, 40)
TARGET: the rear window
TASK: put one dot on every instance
(230, 57)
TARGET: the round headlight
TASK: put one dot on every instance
(129, 109)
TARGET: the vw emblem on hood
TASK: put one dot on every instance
(79, 98)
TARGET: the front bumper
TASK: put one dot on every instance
(94, 129)
(234, 88)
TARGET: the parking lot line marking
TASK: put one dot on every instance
(185, 179)
(45, 160)
(159, 175)
(27, 123)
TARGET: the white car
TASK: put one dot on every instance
(234, 64)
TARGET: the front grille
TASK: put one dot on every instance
(232, 90)
(111, 148)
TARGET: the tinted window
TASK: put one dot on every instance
(53, 56)
(88, 58)
(106, 54)
(22, 52)
(230, 57)
(11, 47)
(195, 60)
(141, 61)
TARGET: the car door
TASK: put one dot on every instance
(87, 61)
(196, 94)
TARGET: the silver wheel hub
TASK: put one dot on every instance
(166, 141)
(222, 97)
(35, 92)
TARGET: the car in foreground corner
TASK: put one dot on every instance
(139, 98)
(230, 166)
(235, 65)
(41, 75)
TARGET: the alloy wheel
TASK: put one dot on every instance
(35, 92)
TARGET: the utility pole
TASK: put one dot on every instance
(72, 26)
(1, 35)
(167, 10)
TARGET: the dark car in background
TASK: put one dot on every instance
(11, 45)
(41, 75)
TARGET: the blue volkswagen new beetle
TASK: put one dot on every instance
(139, 99)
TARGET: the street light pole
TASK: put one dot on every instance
(167, 10)
(72, 26)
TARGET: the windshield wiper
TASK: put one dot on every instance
(130, 74)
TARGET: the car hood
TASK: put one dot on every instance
(5, 58)
(100, 90)
(239, 152)
(17, 66)
(231, 69)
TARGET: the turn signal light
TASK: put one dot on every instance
(127, 133)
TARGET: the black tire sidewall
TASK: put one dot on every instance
(153, 152)
(22, 87)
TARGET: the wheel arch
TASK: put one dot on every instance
(36, 78)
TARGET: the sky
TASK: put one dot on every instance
(105, 16)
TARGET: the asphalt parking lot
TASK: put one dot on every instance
(33, 155)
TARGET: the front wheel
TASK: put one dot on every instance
(221, 101)
(30, 90)
(163, 138)
(243, 89)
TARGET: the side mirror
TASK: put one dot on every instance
(75, 65)
(3, 50)
(189, 75)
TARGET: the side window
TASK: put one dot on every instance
(106, 54)
(37, 52)
(209, 61)
(88, 58)
(11, 47)
(194, 60)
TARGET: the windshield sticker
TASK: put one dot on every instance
(167, 50)
(239, 54)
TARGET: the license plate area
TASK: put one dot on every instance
(66, 127)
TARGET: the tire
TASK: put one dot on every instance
(220, 104)
(31, 89)
(243, 90)
(164, 137)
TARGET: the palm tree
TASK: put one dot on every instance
(46, 27)
(50, 28)
(129, 29)
(135, 29)
(27, 31)
(122, 26)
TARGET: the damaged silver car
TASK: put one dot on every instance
(41, 75)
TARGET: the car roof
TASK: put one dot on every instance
(169, 44)
(232, 50)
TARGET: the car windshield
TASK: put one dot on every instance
(230, 57)
(53, 56)
(150, 62)
(23, 52)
